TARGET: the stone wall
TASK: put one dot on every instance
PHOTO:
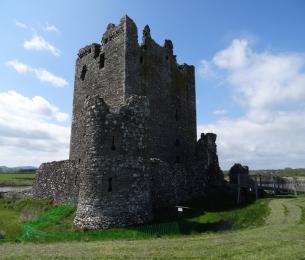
(170, 89)
(58, 181)
(114, 192)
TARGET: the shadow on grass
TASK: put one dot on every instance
(217, 200)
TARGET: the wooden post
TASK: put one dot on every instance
(255, 188)
(260, 181)
(295, 187)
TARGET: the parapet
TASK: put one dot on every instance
(113, 31)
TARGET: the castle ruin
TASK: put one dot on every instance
(133, 151)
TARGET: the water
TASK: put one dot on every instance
(14, 188)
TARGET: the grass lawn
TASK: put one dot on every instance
(271, 228)
(16, 179)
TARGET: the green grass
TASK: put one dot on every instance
(16, 179)
(55, 223)
(13, 213)
(253, 215)
(271, 228)
(287, 172)
(279, 239)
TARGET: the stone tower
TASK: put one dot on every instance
(120, 68)
(133, 150)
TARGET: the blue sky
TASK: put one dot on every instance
(249, 59)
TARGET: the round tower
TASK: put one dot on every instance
(115, 186)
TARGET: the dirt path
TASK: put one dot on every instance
(284, 211)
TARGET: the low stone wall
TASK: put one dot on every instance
(17, 194)
(57, 180)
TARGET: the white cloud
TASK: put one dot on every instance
(18, 66)
(271, 89)
(39, 73)
(30, 130)
(21, 25)
(220, 112)
(51, 28)
(234, 57)
(44, 75)
(277, 143)
(205, 69)
(39, 43)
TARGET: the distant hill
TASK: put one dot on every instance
(18, 169)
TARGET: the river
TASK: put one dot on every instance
(14, 188)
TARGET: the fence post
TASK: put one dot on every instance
(260, 180)
(295, 187)
(255, 188)
(273, 182)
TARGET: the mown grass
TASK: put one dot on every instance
(248, 236)
(274, 241)
(16, 179)
(253, 215)
(40, 221)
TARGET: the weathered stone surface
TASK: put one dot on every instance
(133, 147)
(237, 169)
(206, 153)
(57, 180)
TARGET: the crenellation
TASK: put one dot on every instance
(84, 51)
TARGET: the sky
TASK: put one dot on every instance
(250, 72)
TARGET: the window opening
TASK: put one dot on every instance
(176, 115)
(112, 145)
(110, 185)
(83, 73)
(102, 60)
